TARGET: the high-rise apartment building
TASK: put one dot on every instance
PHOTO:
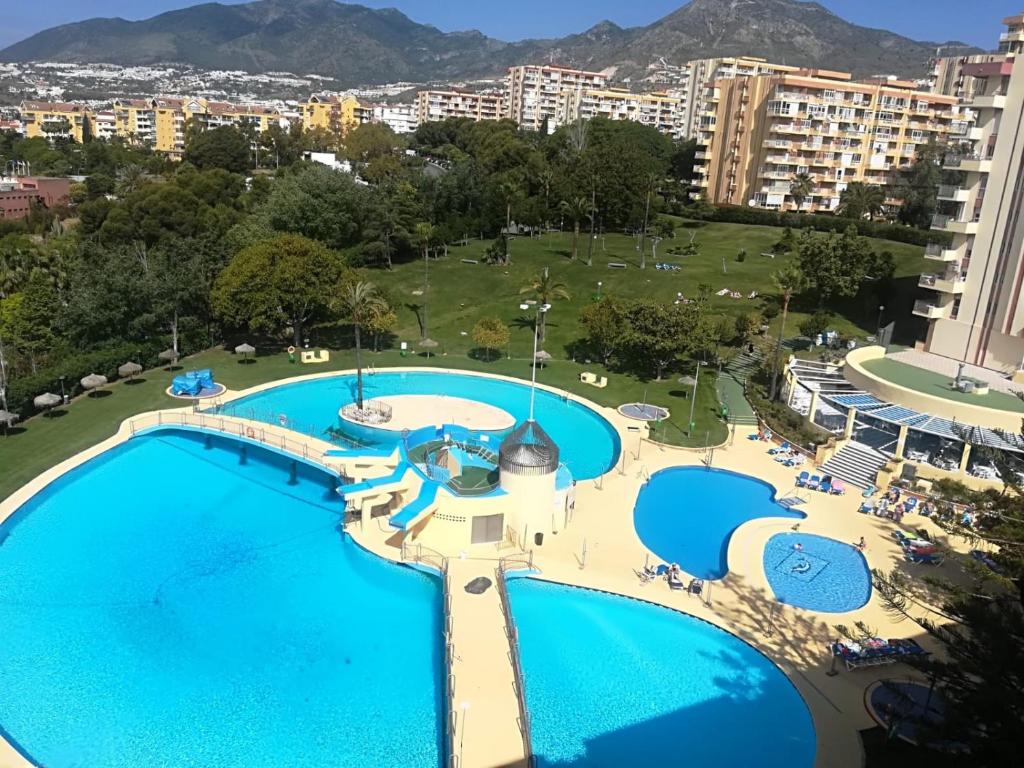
(56, 120)
(432, 106)
(400, 118)
(697, 74)
(760, 132)
(533, 92)
(947, 73)
(135, 119)
(658, 110)
(977, 310)
(338, 114)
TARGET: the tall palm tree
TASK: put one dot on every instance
(508, 190)
(358, 302)
(546, 290)
(577, 209)
(787, 281)
(859, 200)
(801, 187)
(424, 237)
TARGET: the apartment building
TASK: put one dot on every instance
(696, 75)
(56, 120)
(658, 110)
(338, 114)
(135, 119)
(976, 311)
(758, 133)
(400, 118)
(432, 106)
(947, 73)
(104, 124)
(18, 194)
(534, 92)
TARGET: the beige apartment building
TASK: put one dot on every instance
(758, 133)
(977, 307)
(658, 110)
(699, 73)
(432, 106)
(947, 74)
(533, 92)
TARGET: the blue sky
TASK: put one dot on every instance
(974, 22)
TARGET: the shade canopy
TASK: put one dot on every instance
(542, 356)
(245, 349)
(93, 380)
(527, 451)
(168, 354)
(47, 400)
(687, 381)
(428, 343)
(129, 369)
(7, 418)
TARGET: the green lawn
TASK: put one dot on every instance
(938, 385)
(459, 295)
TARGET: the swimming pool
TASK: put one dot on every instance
(824, 575)
(687, 515)
(612, 682)
(179, 601)
(588, 443)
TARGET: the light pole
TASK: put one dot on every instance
(3, 377)
(878, 332)
(693, 400)
(541, 309)
(599, 284)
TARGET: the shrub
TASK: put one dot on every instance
(816, 323)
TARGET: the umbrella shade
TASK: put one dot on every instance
(47, 400)
(129, 369)
(542, 356)
(7, 418)
(169, 355)
(428, 343)
(245, 349)
(93, 380)
(687, 381)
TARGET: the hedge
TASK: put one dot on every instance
(736, 214)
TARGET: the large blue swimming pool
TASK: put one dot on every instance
(823, 575)
(180, 602)
(589, 445)
(613, 682)
(687, 515)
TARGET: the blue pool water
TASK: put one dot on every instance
(589, 445)
(174, 604)
(687, 515)
(826, 575)
(613, 682)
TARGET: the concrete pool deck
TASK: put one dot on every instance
(599, 549)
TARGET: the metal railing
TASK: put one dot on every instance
(283, 420)
(372, 412)
(505, 564)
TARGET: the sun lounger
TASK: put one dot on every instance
(779, 449)
(825, 486)
(795, 460)
(814, 482)
(923, 558)
(866, 507)
(875, 652)
(909, 505)
(674, 582)
(838, 487)
(983, 557)
(696, 587)
(802, 478)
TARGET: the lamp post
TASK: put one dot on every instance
(541, 309)
(3, 377)
(693, 400)
(878, 332)
(599, 284)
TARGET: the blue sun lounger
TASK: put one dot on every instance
(814, 482)
(779, 449)
(802, 478)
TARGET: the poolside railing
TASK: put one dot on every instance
(505, 564)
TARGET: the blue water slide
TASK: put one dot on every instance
(355, 489)
(423, 503)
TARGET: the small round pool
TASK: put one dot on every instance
(614, 682)
(687, 515)
(823, 575)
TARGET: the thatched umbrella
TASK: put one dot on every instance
(687, 381)
(7, 419)
(169, 356)
(542, 357)
(47, 401)
(245, 350)
(93, 381)
(428, 344)
(129, 369)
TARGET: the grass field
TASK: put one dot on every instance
(458, 296)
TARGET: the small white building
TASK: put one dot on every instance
(400, 118)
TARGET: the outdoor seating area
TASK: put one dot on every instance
(673, 577)
(826, 484)
(874, 652)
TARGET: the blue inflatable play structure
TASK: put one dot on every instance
(193, 383)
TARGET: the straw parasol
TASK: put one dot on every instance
(47, 401)
(687, 381)
(169, 356)
(428, 344)
(542, 357)
(245, 350)
(129, 369)
(93, 381)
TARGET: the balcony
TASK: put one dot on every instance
(971, 163)
(931, 310)
(1014, 36)
(951, 282)
(953, 193)
(989, 101)
(937, 252)
(701, 155)
(951, 224)
(968, 132)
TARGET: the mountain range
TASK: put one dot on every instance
(356, 45)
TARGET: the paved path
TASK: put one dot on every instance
(486, 732)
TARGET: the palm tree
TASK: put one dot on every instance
(358, 302)
(424, 236)
(801, 187)
(508, 190)
(577, 209)
(787, 281)
(546, 290)
(859, 200)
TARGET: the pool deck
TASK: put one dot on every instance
(416, 411)
(600, 550)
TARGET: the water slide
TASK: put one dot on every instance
(423, 505)
(396, 481)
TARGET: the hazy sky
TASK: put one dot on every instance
(976, 22)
